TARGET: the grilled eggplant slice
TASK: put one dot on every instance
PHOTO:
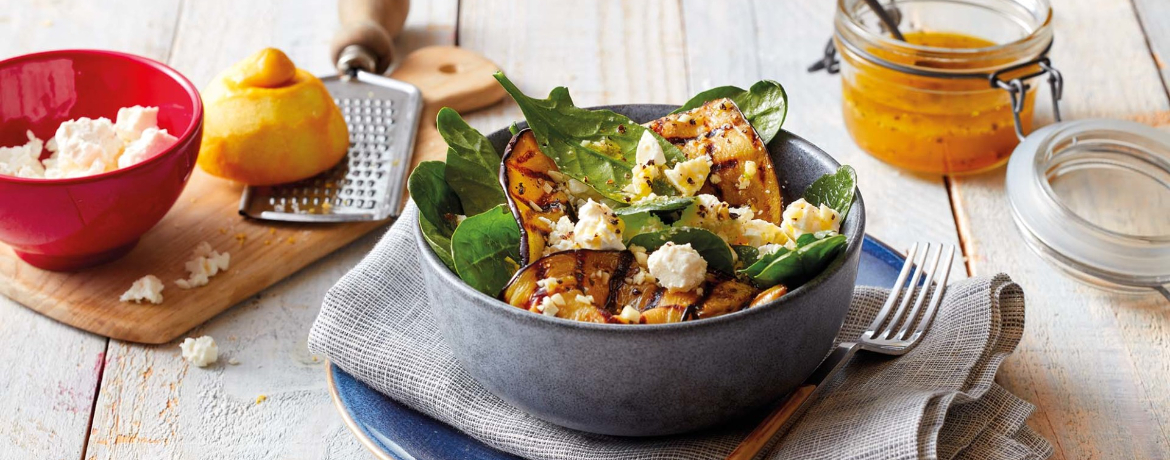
(527, 176)
(741, 171)
(613, 281)
(571, 273)
(770, 294)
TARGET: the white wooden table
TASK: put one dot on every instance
(1097, 365)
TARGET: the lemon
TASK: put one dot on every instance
(267, 122)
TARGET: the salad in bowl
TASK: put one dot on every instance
(589, 216)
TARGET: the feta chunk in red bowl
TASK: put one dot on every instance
(95, 148)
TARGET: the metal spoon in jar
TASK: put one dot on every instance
(886, 19)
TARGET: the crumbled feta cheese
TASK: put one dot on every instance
(757, 232)
(23, 160)
(630, 315)
(733, 225)
(459, 218)
(688, 176)
(707, 212)
(204, 264)
(641, 186)
(200, 352)
(678, 267)
(749, 175)
(84, 147)
(132, 122)
(649, 151)
(770, 248)
(802, 217)
(148, 288)
(152, 141)
(597, 227)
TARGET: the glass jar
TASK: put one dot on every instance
(1093, 198)
(936, 103)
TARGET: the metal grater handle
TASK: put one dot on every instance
(367, 27)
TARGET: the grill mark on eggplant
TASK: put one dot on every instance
(718, 166)
(617, 279)
(680, 140)
(579, 268)
(532, 173)
(657, 297)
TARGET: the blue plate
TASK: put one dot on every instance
(393, 431)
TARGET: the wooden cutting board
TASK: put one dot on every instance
(262, 253)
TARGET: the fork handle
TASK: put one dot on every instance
(781, 419)
(758, 440)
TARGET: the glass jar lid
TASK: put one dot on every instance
(1093, 197)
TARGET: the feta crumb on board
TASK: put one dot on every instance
(201, 351)
(148, 288)
(204, 264)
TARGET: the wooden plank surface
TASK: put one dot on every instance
(153, 404)
(1155, 20)
(1096, 364)
(50, 371)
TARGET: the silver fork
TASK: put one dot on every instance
(885, 337)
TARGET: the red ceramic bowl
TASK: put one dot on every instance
(67, 224)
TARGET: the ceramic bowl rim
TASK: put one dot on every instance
(183, 141)
(854, 243)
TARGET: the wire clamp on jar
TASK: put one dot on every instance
(828, 62)
(1018, 87)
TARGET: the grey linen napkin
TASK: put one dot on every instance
(938, 401)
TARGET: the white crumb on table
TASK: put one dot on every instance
(201, 351)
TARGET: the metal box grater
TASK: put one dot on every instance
(382, 115)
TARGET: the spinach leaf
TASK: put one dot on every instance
(747, 254)
(437, 207)
(486, 248)
(639, 223)
(713, 249)
(834, 190)
(596, 147)
(473, 165)
(659, 204)
(793, 267)
(765, 105)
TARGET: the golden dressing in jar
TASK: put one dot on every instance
(925, 123)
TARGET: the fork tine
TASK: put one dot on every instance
(894, 293)
(922, 294)
(935, 299)
(894, 320)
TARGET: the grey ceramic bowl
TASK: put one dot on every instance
(653, 379)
